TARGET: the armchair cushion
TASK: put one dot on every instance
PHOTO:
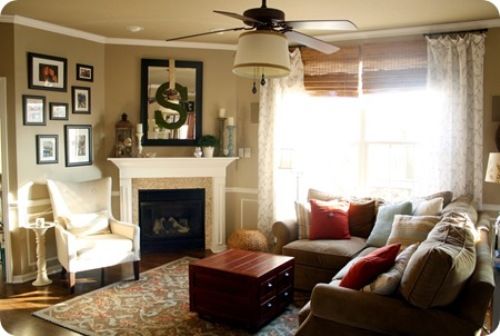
(85, 224)
(103, 246)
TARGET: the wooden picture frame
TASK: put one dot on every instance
(47, 149)
(84, 72)
(58, 111)
(80, 99)
(78, 145)
(47, 72)
(34, 110)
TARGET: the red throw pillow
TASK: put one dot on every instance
(329, 220)
(367, 268)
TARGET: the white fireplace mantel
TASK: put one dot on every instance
(178, 167)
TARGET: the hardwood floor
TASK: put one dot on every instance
(17, 302)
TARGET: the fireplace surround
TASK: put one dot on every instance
(177, 173)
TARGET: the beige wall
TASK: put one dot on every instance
(491, 192)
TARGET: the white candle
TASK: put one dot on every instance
(139, 128)
(222, 113)
(230, 121)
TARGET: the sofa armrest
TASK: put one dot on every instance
(383, 314)
(129, 230)
(66, 245)
(285, 231)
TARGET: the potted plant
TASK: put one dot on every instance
(208, 143)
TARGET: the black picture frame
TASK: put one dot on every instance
(84, 72)
(194, 104)
(47, 72)
(55, 111)
(80, 100)
(34, 110)
(78, 145)
(47, 149)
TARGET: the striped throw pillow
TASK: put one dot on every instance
(303, 213)
(407, 230)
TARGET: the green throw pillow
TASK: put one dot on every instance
(383, 224)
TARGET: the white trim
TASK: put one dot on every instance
(32, 275)
(239, 190)
(490, 207)
(417, 30)
(381, 33)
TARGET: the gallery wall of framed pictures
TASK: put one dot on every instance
(50, 73)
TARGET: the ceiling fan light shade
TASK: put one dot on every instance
(262, 52)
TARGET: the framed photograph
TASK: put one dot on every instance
(80, 97)
(46, 72)
(47, 149)
(78, 145)
(58, 111)
(85, 72)
(34, 110)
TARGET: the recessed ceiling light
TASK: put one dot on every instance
(134, 29)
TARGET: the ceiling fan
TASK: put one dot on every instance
(264, 18)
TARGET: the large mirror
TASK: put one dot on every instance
(171, 96)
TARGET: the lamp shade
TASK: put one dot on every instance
(493, 170)
(262, 52)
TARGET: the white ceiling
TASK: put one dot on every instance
(163, 19)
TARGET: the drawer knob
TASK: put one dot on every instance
(285, 293)
(269, 285)
(287, 274)
(269, 305)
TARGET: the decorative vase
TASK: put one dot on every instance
(208, 152)
(197, 152)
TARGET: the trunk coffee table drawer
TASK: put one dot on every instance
(241, 287)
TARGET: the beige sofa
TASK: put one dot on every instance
(341, 311)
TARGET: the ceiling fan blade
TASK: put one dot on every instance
(321, 25)
(238, 16)
(206, 33)
(311, 42)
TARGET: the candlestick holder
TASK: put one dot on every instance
(222, 121)
(139, 143)
(230, 135)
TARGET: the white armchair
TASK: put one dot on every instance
(87, 235)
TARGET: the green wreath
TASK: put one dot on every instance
(161, 98)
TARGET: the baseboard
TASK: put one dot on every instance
(16, 279)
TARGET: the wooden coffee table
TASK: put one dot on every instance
(241, 287)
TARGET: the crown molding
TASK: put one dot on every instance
(417, 30)
(357, 35)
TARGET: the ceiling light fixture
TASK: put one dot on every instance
(262, 54)
(134, 29)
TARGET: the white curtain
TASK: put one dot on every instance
(455, 76)
(272, 114)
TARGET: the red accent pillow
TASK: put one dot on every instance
(329, 220)
(367, 268)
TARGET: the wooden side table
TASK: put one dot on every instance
(41, 279)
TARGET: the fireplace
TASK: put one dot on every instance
(172, 219)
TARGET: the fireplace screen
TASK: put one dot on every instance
(172, 218)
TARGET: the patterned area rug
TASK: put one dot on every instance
(157, 304)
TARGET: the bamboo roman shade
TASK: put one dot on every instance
(372, 67)
(335, 74)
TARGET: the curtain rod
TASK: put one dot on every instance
(457, 32)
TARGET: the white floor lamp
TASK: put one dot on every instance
(288, 162)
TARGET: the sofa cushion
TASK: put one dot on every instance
(329, 220)
(462, 204)
(303, 213)
(408, 230)
(439, 268)
(328, 254)
(383, 224)
(367, 268)
(340, 274)
(432, 207)
(361, 217)
(387, 282)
